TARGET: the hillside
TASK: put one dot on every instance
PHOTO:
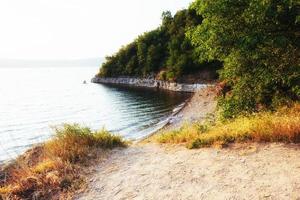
(164, 52)
(252, 46)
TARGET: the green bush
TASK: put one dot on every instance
(258, 41)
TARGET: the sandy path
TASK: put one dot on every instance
(154, 172)
(202, 104)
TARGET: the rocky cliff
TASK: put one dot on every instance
(150, 83)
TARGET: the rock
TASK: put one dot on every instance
(150, 83)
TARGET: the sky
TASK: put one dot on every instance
(76, 29)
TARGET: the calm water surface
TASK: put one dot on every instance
(34, 99)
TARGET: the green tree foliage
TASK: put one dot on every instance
(258, 41)
(165, 48)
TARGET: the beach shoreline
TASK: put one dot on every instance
(201, 105)
(148, 170)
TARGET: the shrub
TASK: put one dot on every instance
(73, 143)
(56, 167)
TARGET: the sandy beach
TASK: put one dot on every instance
(251, 171)
(202, 104)
(154, 171)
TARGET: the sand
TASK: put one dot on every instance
(200, 107)
(153, 171)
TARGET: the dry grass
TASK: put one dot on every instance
(280, 126)
(54, 169)
(76, 144)
(186, 133)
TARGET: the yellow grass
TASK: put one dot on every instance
(280, 126)
(185, 134)
(5, 189)
(76, 144)
(45, 166)
(55, 167)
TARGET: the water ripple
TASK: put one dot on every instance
(38, 98)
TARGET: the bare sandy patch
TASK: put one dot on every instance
(150, 171)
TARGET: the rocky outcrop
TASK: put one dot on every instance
(150, 83)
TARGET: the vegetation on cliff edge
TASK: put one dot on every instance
(54, 169)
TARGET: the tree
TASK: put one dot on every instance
(163, 49)
(166, 18)
(258, 41)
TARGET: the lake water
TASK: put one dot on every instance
(33, 99)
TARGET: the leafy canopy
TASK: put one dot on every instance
(165, 49)
(258, 41)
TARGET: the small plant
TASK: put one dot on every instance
(162, 75)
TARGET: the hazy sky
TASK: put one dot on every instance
(71, 29)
